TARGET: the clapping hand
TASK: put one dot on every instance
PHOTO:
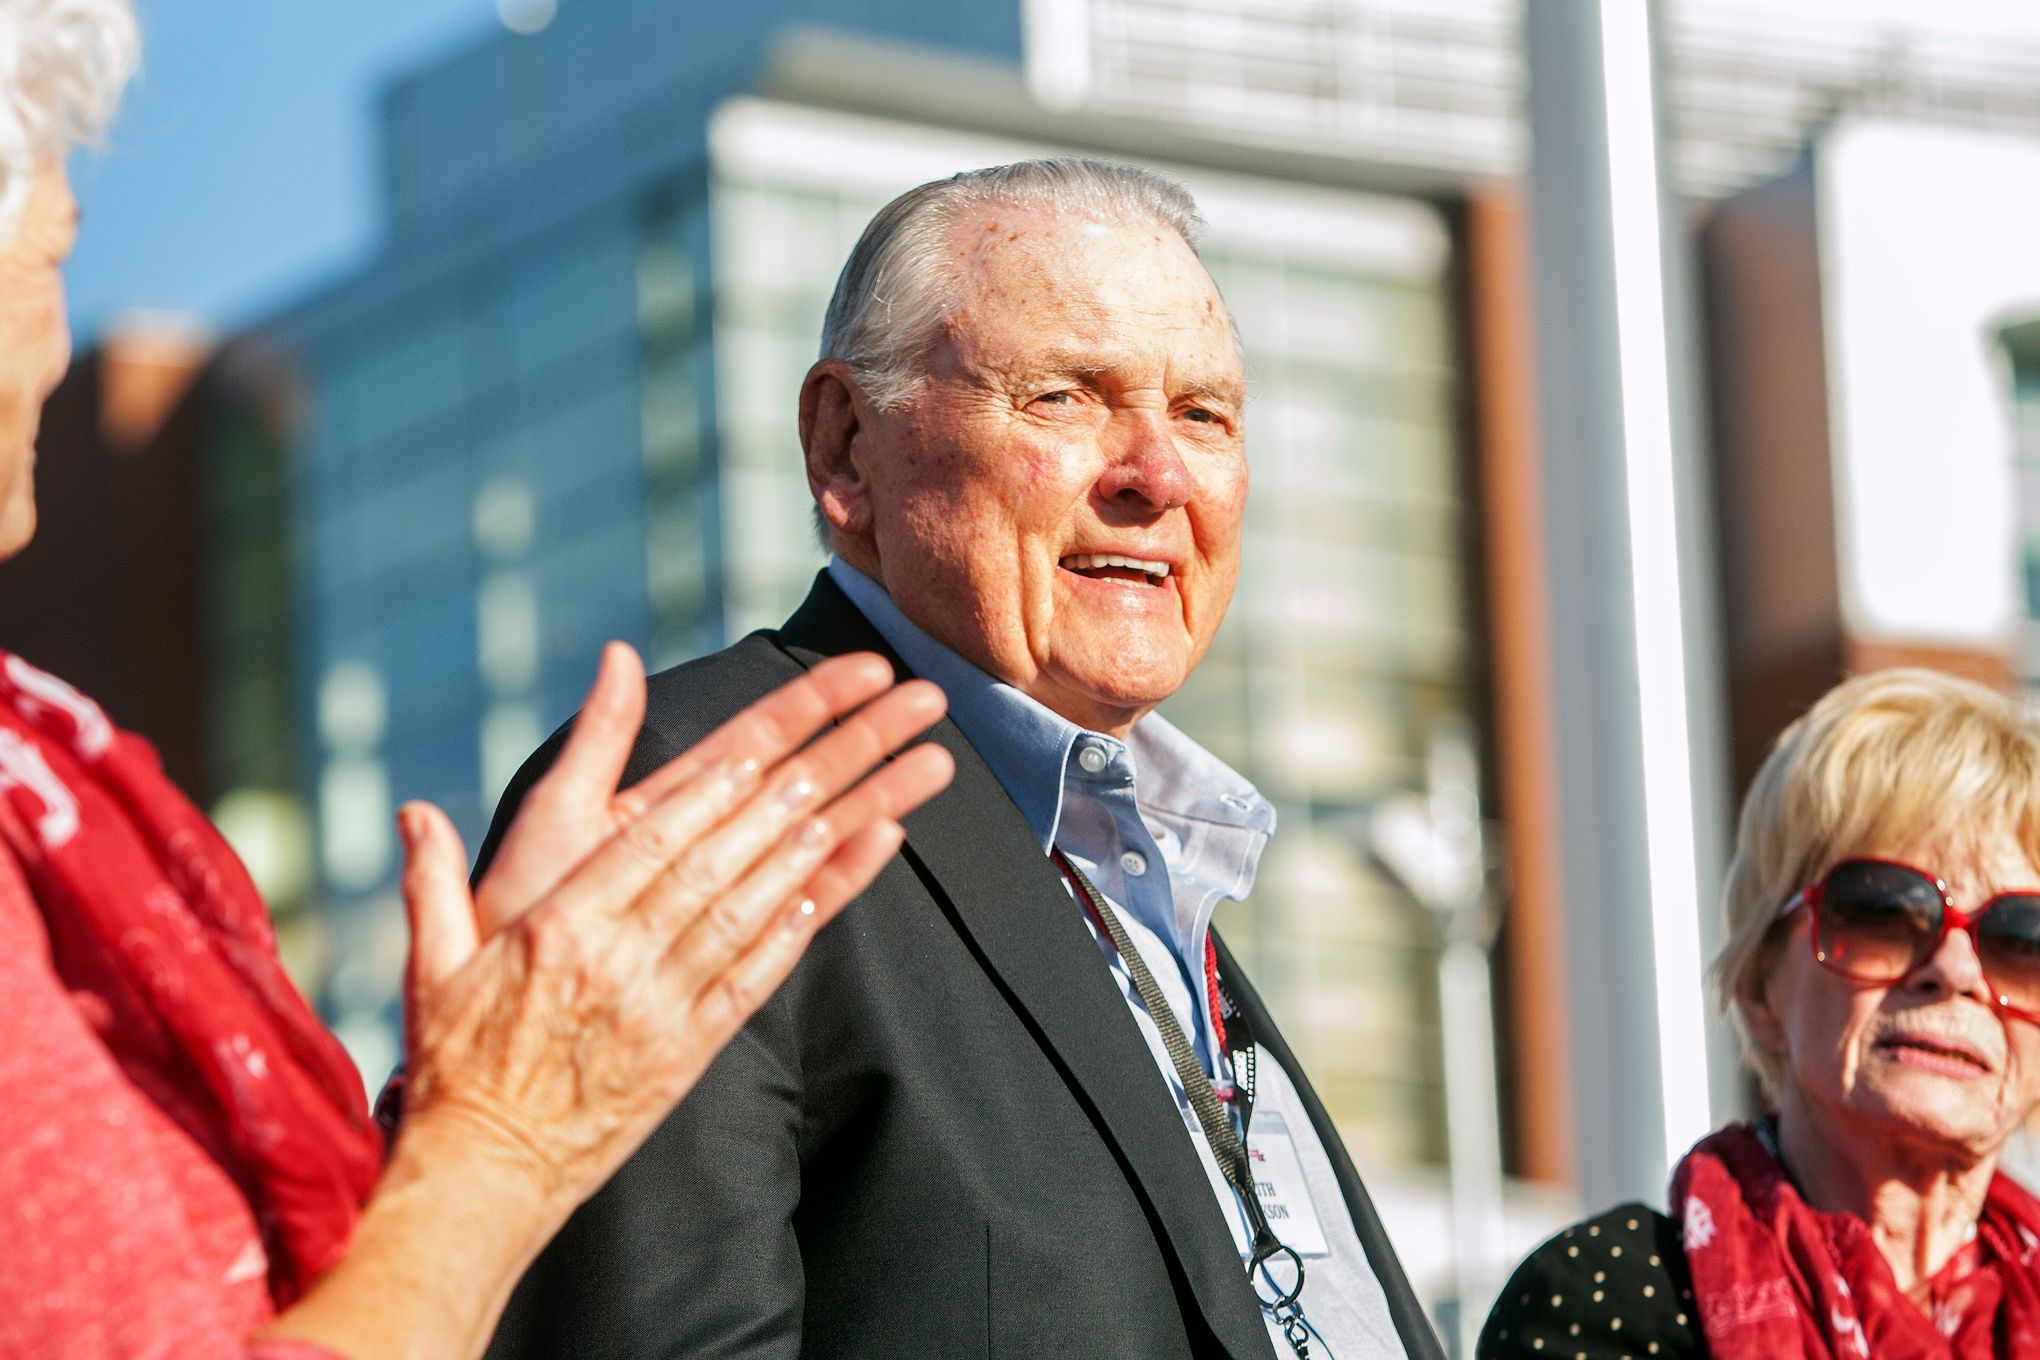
(619, 939)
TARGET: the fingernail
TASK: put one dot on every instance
(799, 917)
(796, 794)
(812, 835)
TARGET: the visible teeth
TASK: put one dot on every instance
(1093, 561)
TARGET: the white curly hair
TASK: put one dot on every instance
(63, 65)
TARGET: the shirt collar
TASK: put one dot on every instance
(1028, 746)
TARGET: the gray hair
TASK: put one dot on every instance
(895, 291)
(63, 65)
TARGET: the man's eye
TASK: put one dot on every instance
(1061, 398)
(1199, 413)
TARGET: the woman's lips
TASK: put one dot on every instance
(1945, 1056)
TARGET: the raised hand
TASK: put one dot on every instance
(618, 942)
(620, 939)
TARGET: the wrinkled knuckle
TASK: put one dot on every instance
(757, 732)
(634, 1030)
(726, 928)
(726, 1003)
(869, 730)
(651, 840)
(631, 804)
(552, 942)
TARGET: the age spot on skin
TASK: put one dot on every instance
(994, 237)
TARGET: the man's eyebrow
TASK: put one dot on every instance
(1220, 389)
(1090, 363)
(1057, 363)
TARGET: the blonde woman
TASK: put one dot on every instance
(1883, 969)
(186, 1164)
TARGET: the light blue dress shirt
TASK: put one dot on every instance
(1164, 858)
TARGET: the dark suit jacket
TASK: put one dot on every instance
(943, 1137)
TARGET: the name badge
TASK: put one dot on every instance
(1278, 1178)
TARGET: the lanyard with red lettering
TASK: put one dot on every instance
(1224, 1010)
(1228, 1148)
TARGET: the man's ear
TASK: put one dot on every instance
(833, 441)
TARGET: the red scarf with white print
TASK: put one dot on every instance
(155, 926)
(1776, 1279)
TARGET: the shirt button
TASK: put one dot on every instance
(1092, 758)
(1134, 862)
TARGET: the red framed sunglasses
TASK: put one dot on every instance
(1876, 920)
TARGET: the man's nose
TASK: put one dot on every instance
(1146, 472)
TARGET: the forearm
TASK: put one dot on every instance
(442, 1242)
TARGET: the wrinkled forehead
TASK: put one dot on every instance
(1978, 851)
(1976, 863)
(1074, 278)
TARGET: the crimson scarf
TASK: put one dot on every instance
(154, 922)
(1775, 1279)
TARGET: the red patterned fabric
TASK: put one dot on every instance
(152, 918)
(1776, 1279)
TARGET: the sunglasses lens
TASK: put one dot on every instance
(2008, 946)
(1876, 922)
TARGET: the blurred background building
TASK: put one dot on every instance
(557, 407)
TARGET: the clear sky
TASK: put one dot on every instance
(243, 167)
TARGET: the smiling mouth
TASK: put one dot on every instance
(1134, 571)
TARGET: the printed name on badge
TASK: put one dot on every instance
(1278, 1177)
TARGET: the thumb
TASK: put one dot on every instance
(436, 898)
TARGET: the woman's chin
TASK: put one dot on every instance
(1955, 1117)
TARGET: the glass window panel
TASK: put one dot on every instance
(405, 376)
(426, 648)
(438, 758)
(354, 821)
(572, 434)
(580, 295)
(589, 589)
(427, 515)
(506, 632)
(676, 385)
(510, 733)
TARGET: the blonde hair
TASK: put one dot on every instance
(63, 65)
(1889, 759)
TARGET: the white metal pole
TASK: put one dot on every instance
(1460, 903)
(1471, 1136)
(1640, 775)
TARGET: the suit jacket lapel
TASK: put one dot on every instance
(980, 860)
(1412, 1324)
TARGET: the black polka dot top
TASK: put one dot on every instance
(1612, 1288)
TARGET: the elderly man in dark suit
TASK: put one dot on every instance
(1020, 1101)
